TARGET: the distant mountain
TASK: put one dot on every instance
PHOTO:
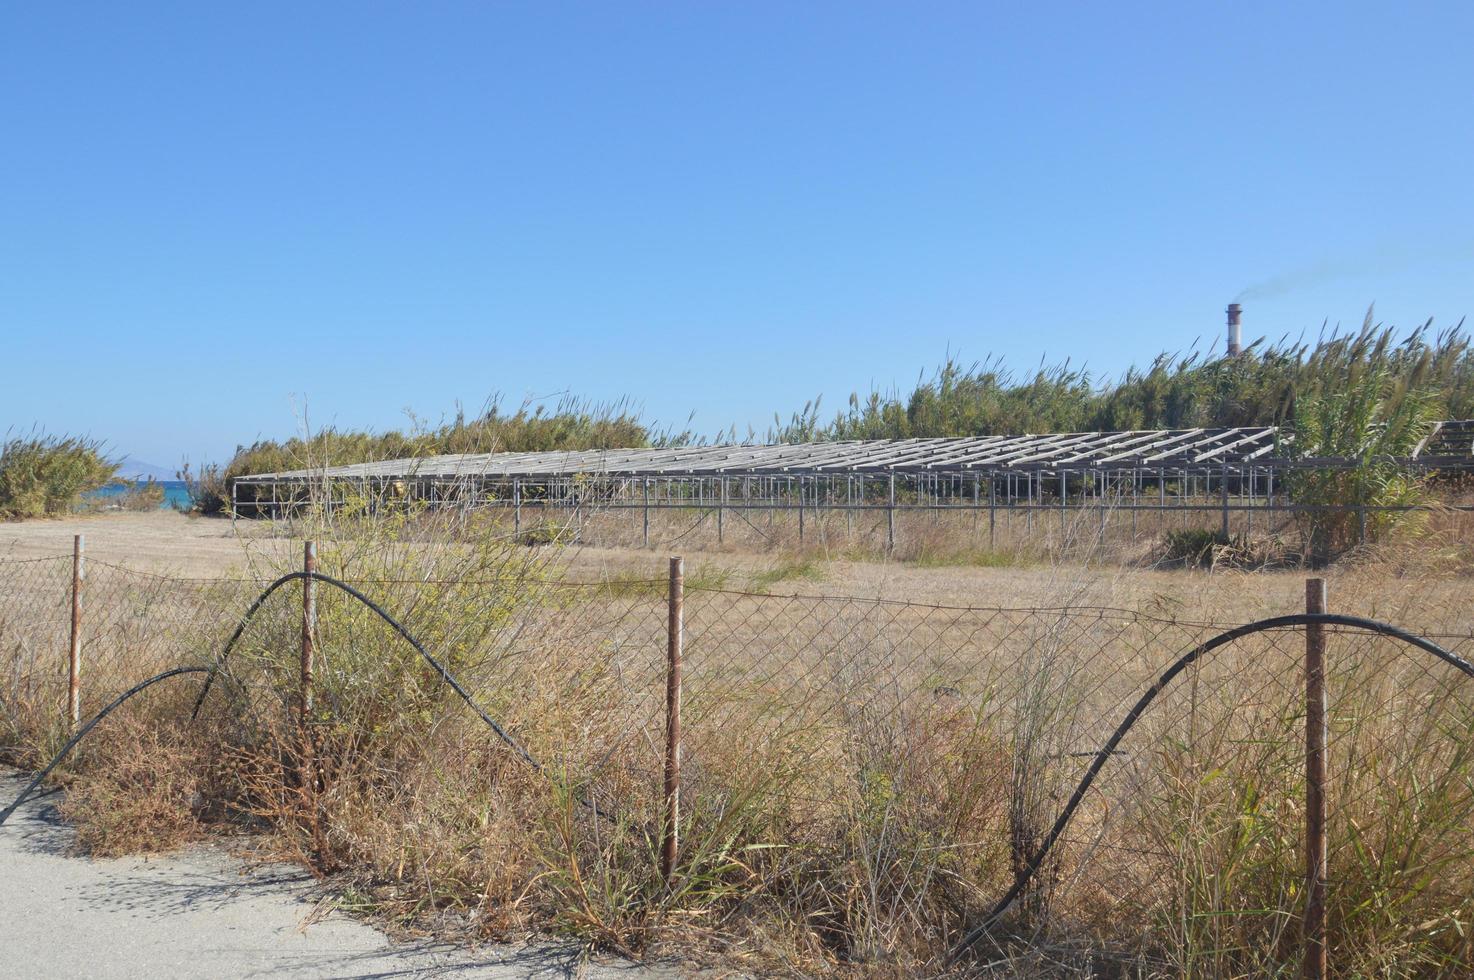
(137, 469)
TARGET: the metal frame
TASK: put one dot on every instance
(1218, 470)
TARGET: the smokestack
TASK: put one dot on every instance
(1235, 345)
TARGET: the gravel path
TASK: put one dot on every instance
(202, 913)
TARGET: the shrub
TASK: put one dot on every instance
(208, 493)
(41, 476)
(1193, 546)
(139, 495)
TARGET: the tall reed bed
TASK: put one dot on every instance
(42, 475)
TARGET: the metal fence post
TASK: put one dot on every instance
(647, 511)
(74, 656)
(675, 636)
(309, 621)
(1315, 784)
(309, 771)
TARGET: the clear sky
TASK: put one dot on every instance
(211, 214)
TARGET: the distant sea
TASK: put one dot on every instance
(175, 495)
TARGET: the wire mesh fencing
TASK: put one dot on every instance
(35, 622)
(880, 774)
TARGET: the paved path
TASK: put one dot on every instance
(201, 913)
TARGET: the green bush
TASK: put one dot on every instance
(139, 495)
(207, 490)
(1193, 546)
(43, 475)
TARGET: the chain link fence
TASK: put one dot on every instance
(875, 775)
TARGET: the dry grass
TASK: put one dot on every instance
(145, 784)
(863, 777)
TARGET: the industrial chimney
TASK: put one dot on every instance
(1235, 340)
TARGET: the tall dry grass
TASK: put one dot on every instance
(863, 779)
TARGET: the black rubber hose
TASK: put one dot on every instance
(582, 799)
(92, 723)
(445, 674)
(240, 629)
(1105, 753)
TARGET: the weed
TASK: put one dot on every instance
(805, 569)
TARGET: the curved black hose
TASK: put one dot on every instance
(1150, 695)
(92, 723)
(399, 628)
(220, 663)
(583, 799)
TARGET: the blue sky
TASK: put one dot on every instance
(216, 214)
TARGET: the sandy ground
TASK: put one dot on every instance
(202, 913)
(167, 542)
(163, 541)
(170, 543)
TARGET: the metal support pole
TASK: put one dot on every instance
(1135, 499)
(1315, 784)
(1223, 493)
(1064, 490)
(976, 500)
(516, 507)
(74, 656)
(800, 511)
(722, 511)
(646, 481)
(675, 636)
(1249, 513)
(1100, 504)
(849, 508)
(890, 518)
(992, 512)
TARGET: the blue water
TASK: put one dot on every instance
(175, 495)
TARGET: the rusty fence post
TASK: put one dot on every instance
(74, 653)
(309, 623)
(308, 750)
(675, 636)
(1315, 783)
